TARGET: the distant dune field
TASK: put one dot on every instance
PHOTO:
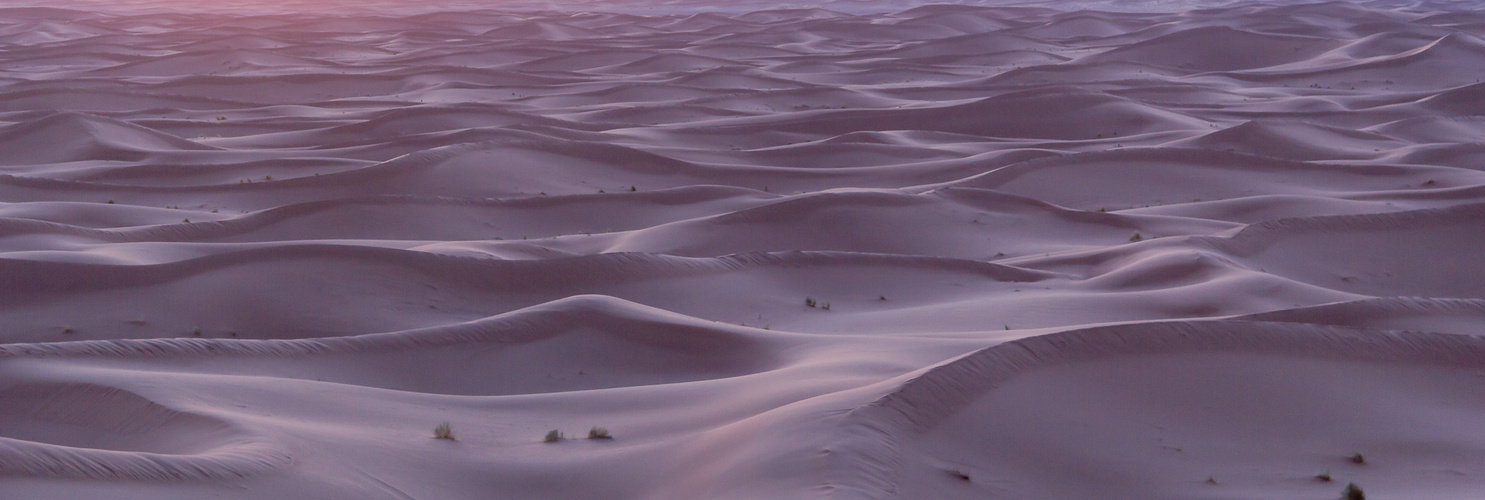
(858, 251)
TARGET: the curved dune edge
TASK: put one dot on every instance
(869, 455)
(200, 446)
(520, 326)
(1255, 237)
(21, 274)
(1367, 312)
(32, 459)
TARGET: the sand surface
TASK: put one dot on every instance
(935, 252)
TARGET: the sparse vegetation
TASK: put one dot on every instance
(443, 431)
(598, 433)
(1323, 476)
(1136, 237)
(553, 436)
(1353, 492)
(959, 474)
(825, 306)
(1357, 458)
(809, 302)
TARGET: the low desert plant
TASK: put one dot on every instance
(443, 431)
(553, 436)
(1323, 476)
(810, 302)
(1353, 492)
(1136, 237)
(599, 433)
(825, 306)
(1357, 458)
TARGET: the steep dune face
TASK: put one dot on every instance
(1255, 409)
(865, 252)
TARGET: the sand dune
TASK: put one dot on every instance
(839, 250)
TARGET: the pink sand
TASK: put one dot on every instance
(1051, 255)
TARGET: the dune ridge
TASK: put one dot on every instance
(522, 326)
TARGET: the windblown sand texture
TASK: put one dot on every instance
(1050, 255)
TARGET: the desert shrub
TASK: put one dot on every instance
(599, 433)
(553, 436)
(443, 431)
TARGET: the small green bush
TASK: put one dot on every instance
(553, 436)
(443, 431)
(599, 433)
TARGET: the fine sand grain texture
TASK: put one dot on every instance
(849, 250)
